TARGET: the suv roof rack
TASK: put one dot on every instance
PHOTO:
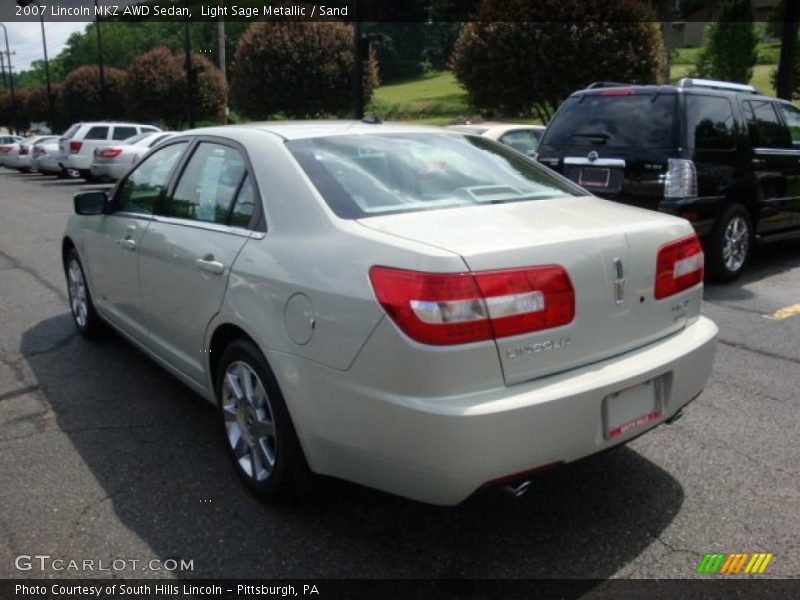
(606, 84)
(688, 82)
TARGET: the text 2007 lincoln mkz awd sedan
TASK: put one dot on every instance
(420, 311)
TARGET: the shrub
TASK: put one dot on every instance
(300, 69)
(729, 51)
(80, 99)
(524, 57)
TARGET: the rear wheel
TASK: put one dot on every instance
(87, 175)
(258, 431)
(84, 315)
(730, 244)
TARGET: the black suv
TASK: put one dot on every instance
(721, 155)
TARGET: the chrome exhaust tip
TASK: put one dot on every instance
(519, 490)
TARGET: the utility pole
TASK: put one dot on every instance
(358, 63)
(103, 104)
(3, 69)
(11, 80)
(187, 48)
(222, 65)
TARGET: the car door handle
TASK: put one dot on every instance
(128, 244)
(209, 264)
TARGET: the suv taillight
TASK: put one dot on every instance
(457, 308)
(679, 266)
(75, 147)
(681, 179)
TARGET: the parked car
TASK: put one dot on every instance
(719, 154)
(413, 309)
(7, 145)
(45, 159)
(76, 146)
(520, 137)
(21, 155)
(110, 163)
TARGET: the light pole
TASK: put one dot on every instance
(187, 48)
(100, 61)
(222, 66)
(11, 80)
(50, 113)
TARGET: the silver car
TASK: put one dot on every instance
(110, 163)
(421, 311)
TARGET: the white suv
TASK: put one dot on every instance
(76, 146)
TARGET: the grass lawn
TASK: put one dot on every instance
(435, 98)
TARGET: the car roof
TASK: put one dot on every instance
(295, 130)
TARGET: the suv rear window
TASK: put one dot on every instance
(633, 121)
(368, 175)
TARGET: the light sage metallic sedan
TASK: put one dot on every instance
(418, 310)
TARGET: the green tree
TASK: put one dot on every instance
(729, 52)
(80, 95)
(299, 69)
(524, 57)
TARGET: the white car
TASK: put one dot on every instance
(77, 145)
(21, 155)
(521, 137)
(45, 158)
(110, 163)
(413, 309)
(7, 145)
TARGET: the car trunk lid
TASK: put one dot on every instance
(608, 250)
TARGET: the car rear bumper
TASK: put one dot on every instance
(108, 170)
(47, 164)
(441, 449)
(77, 162)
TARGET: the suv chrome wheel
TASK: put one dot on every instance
(736, 242)
(249, 422)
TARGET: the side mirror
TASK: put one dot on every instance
(91, 203)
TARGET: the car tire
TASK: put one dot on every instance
(87, 321)
(256, 426)
(730, 245)
(87, 175)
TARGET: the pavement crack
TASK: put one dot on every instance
(16, 263)
(741, 346)
(19, 392)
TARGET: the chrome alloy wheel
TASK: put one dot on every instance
(78, 301)
(249, 422)
(735, 243)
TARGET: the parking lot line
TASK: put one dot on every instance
(784, 313)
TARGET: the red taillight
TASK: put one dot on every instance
(457, 308)
(75, 147)
(5, 149)
(617, 92)
(679, 266)
(108, 152)
(23, 150)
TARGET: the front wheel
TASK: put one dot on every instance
(257, 428)
(730, 244)
(85, 317)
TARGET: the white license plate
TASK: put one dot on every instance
(632, 408)
(598, 178)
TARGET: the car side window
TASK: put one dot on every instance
(710, 123)
(521, 140)
(143, 187)
(123, 133)
(766, 129)
(96, 133)
(792, 117)
(208, 185)
(244, 205)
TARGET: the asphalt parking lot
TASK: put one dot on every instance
(103, 455)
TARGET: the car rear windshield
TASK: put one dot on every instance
(633, 121)
(367, 175)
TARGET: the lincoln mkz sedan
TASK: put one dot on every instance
(422, 311)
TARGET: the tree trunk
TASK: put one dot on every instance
(785, 80)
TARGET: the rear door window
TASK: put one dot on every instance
(792, 117)
(766, 129)
(123, 133)
(209, 184)
(710, 123)
(614, 120)
(97, 133)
